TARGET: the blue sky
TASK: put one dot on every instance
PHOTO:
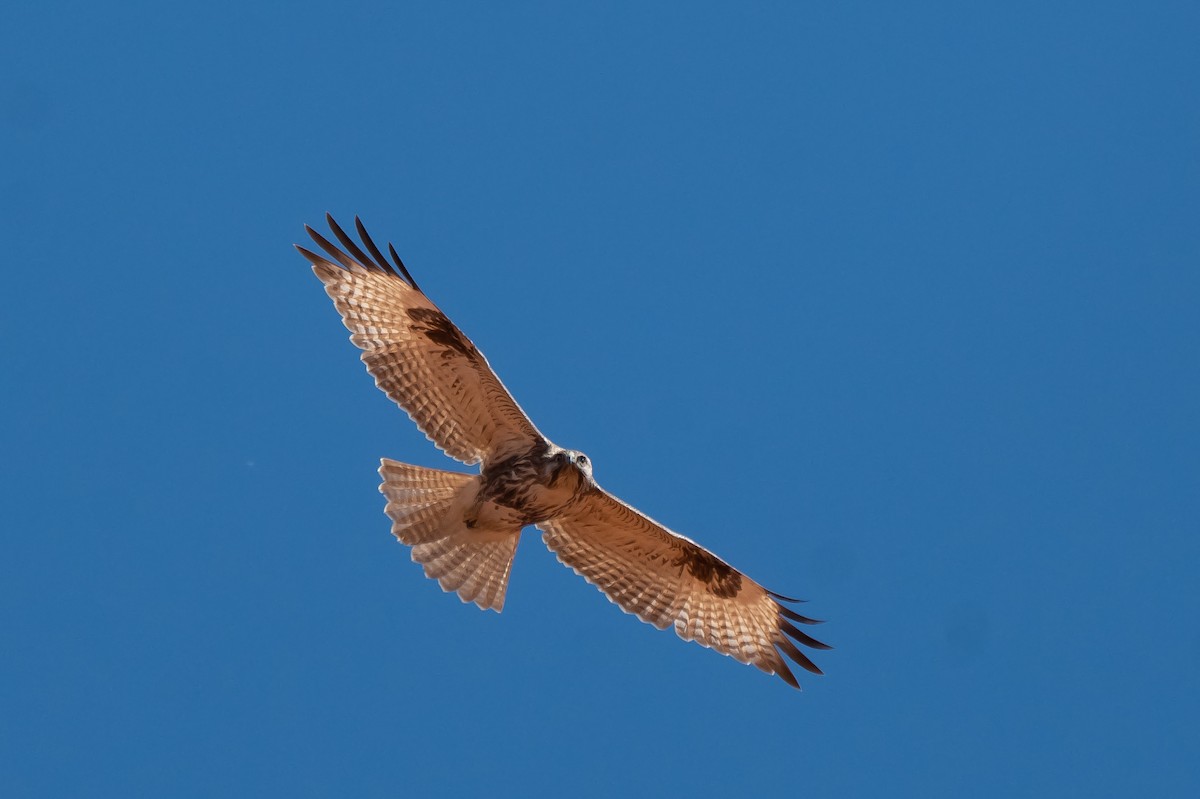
(893, 306)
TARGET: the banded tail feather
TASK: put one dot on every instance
(426, 508)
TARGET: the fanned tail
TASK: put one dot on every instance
(426, 507)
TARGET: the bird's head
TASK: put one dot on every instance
(577, 459)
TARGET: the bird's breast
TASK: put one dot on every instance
(536, 487)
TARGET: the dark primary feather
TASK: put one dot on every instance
(793, 651)
(375, 262)
(353, 247)
(801, 636)
(379, 259)
(310, 256)
(403, 269)
(790, 649)
(794, 616)
(367, 240)
(325, 244)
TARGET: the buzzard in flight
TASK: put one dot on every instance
(463, 528)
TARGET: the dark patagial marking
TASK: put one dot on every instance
(720, 578)
(440, 330)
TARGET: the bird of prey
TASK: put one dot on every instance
(463, 528)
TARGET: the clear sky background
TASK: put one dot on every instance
(894, 306)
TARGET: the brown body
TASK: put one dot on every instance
(532, 487)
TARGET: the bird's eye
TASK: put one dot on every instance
(582, 459)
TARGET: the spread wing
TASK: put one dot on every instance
(665, 579)
(416, 354)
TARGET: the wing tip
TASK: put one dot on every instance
(353, 258)
(789, 636)
(310, 256)
(801, 636)
(798, 657)
(794, 616)
(784, 673)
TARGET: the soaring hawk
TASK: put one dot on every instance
(463, 528)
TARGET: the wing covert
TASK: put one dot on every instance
(667, 580)
(417, 356)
